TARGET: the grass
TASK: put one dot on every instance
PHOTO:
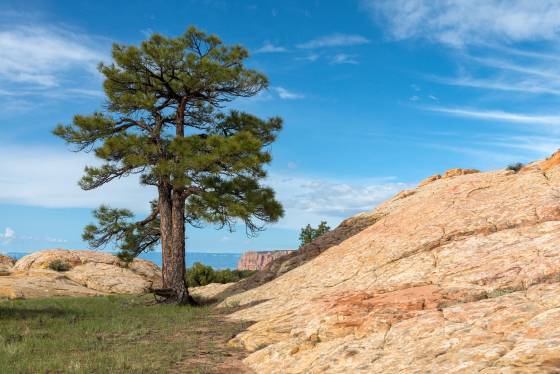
(113, 334)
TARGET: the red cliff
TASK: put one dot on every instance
(258, 260)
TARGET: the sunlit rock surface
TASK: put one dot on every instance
(90, 273)
(460, 275)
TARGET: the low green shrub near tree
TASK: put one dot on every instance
(59, 265)
(201, 275)
(308, 233)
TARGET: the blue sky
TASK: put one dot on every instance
(376, 95)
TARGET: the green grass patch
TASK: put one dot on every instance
(112, 334)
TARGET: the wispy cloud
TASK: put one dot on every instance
(463, 22)
(310, 57)
(512, 84)
(312, 199)
(497, 115)
(270, 48)
(343, 58)
(47, 177)
(334, 40)
(540, 145)
(8, 236)
(40, 56)
(285, 94)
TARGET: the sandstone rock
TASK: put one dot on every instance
(6, 260)
(456, 172)
(346, 229)
(109, 278)
(461, 276)
(448, 174)
(91, 273)
(210, 291)
(6, 264)
(550, 162)
(40, 284)
(429, 180)
(252, 260)
(5, 270)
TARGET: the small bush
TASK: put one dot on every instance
(308, 233)
(59, 265)
(515, 167)
(201, 275)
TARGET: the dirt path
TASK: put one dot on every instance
(211, 353)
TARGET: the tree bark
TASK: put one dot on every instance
(166, 228)
(177, 271)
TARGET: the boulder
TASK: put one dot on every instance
(448, 174)
(90, 273)
(460, 276)
(6, 264)
(6, 260)
(41, 284)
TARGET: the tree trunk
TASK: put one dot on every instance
(166, 228)
(176, 264)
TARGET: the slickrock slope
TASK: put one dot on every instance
(460, 275)
(91, 273)
(283, 264)
(252, 260)
(209, 292)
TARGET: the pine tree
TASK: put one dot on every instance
(165, 121)
(308, 233)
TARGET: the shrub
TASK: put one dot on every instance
(308, 233)
(201, 275)
(59, 265)
(515, 167)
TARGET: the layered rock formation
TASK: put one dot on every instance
(90, 273)
(460, 275)
(252, 260)
(6, 264)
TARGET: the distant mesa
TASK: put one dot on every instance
(253, 260)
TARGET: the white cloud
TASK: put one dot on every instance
(9, 233)
(310, 200)
(47, 177)
(40, 56)
(540, 145)
(463, 22)
(310, 57)
(8, 236)
(497, 115)
(286, 94)
(343, 58)
(270, 48)
(513, 84)
(334, 40)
